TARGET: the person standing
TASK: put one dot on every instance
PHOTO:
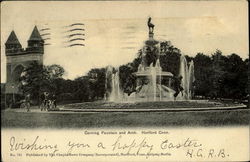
(27, 102)
(53, 100)
(45, 101)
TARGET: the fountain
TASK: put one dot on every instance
(187, 73)
(149, 84)
(191, 79)
(108, 82)
(113, 90)
(149, 76)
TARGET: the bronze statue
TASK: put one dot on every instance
(150, 26)
(177, 86)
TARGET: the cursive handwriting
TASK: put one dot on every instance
(166, 144)
(76, 145)
(16, 145)
(117, 145)
(134, 146)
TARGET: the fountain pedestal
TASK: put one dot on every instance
(150, 74)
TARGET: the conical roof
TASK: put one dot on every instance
(12, 39)
(35, 35)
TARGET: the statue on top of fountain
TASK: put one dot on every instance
(151, 32)
(151, 48)
(150, 26)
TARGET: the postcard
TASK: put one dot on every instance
(124, 81)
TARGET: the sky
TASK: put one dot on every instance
(116, 30)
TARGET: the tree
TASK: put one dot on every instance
(97, 83)
(38, 78)
(35, 79)
(220, 76)
(82, 91)
(202, 73)
(55, 71)
(235, 77)
(127, 77)
(218, 67)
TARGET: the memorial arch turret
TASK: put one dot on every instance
(18, 59)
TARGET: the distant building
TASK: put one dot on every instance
(18, 58)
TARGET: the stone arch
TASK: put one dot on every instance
(16, 73)
(15, 65)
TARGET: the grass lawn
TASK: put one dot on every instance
(124, 119)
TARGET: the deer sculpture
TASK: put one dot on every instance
(150, 25)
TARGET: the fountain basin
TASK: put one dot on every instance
(173, 105)
(158, 73)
